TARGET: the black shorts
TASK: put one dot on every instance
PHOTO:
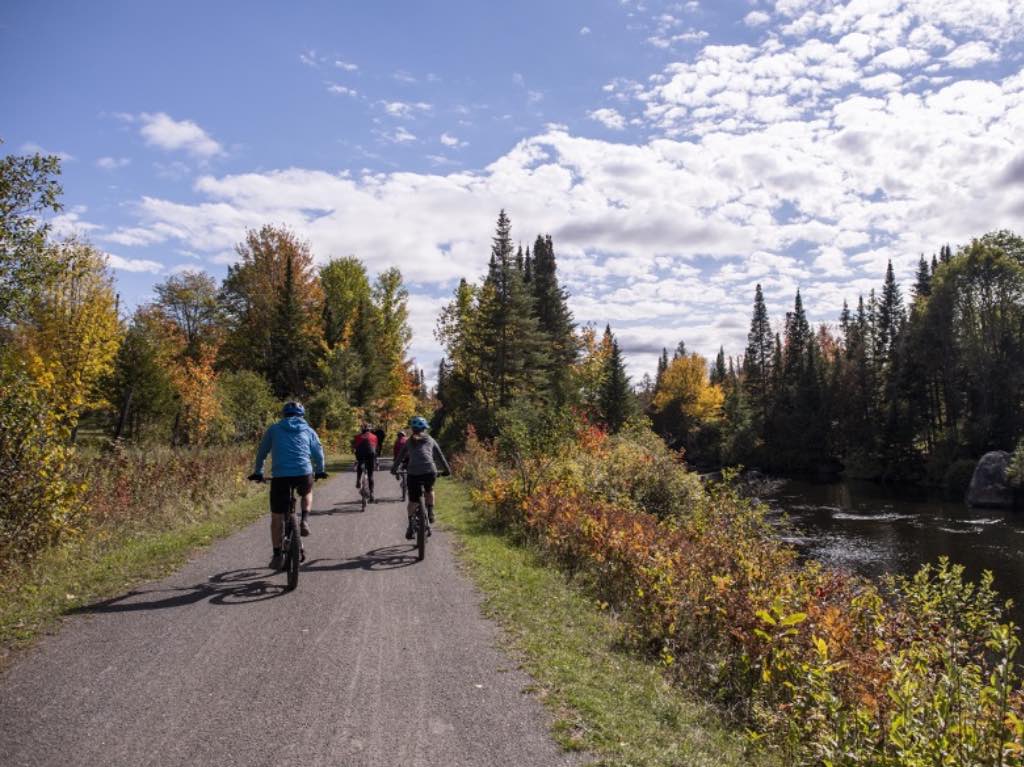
(280, 491)
(418, 483)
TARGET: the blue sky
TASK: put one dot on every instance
(678, 152)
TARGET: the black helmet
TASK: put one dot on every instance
(293, 408)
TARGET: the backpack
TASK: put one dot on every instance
(366, 445)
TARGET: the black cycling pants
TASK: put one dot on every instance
(367, 465)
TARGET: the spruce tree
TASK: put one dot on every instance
(923, 284)
(553, 317)
(616, 397)
(757, 361)
(507, 346)
(719, 372)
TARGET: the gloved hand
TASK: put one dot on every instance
(256, 477)
(445, 473)
(320, 475)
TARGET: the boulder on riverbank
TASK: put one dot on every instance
(989, 487)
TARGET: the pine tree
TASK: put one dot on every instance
(719, 372)
(507, 345)
(662, 367)
(757, 361)
(553, 317)
(680, 350)
(923, 284)
(616, 397)
(891, 316)
(290, 347)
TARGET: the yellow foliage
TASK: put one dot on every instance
(70, 338)
(685, 381)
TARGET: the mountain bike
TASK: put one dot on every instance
(421, 527)
(364, 488)
(291, 547)
(403, 482)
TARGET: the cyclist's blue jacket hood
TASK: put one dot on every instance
(294, 449)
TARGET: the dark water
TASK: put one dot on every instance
(869, 529)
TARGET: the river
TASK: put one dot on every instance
(871, 529)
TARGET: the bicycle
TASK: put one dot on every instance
(291, 547)
(364, 488)
(421, 527)
(403, 482)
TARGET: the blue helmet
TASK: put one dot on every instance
(418, 423)
(293, 408)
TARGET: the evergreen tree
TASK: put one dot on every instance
(923, 284)
(291, 349)
(507, 345)
(616, 396)
(757, 361)
(553, 317)
(719, 372)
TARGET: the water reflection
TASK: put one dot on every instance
(869, 529)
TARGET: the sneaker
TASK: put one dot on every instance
(277, 562)
(430, 514)
(303, 527)
(409, 532)
(371, 498)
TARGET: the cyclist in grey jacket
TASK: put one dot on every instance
(418, 455)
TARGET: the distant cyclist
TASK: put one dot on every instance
(297, 458)
(365, 446)
(418, 454)
(400, 441)
(379, 433)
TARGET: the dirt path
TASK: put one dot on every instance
(376, 659)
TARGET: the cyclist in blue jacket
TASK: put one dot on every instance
(297, 458)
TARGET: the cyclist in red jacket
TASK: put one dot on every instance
(365, 446)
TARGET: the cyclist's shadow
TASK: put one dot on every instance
(232, 587)
(384, 558)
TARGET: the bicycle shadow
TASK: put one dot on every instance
(376, 560)
(232, 587)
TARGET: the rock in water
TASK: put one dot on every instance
(989, 488)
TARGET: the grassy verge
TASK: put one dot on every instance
(607, 701)
(105, 563)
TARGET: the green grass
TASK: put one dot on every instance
(102, 564)
(607, 701)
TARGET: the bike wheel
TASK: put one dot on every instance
(421, 534)
(294, 557)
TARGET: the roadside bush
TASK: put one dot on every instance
(333, 418)
(822, 666)
(134, 487)
(38, 502)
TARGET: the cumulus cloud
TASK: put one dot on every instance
(133, 264)
(584, 31)
(31, 147)
(609, 118)
(342, 90)
(756, 19)
(163, 131)
(970, 55)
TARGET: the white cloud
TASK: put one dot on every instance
(133, 264)
(584, 30)
(452, 141)
(112, 163)
(405, 110)
(71, 224)
(161, 130)
(756, 19)
(609, 118)
(400, 136)
(33, 148)
(346, 65)
(342, 90)
(970, 55)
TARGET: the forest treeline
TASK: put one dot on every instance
(200, 365)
